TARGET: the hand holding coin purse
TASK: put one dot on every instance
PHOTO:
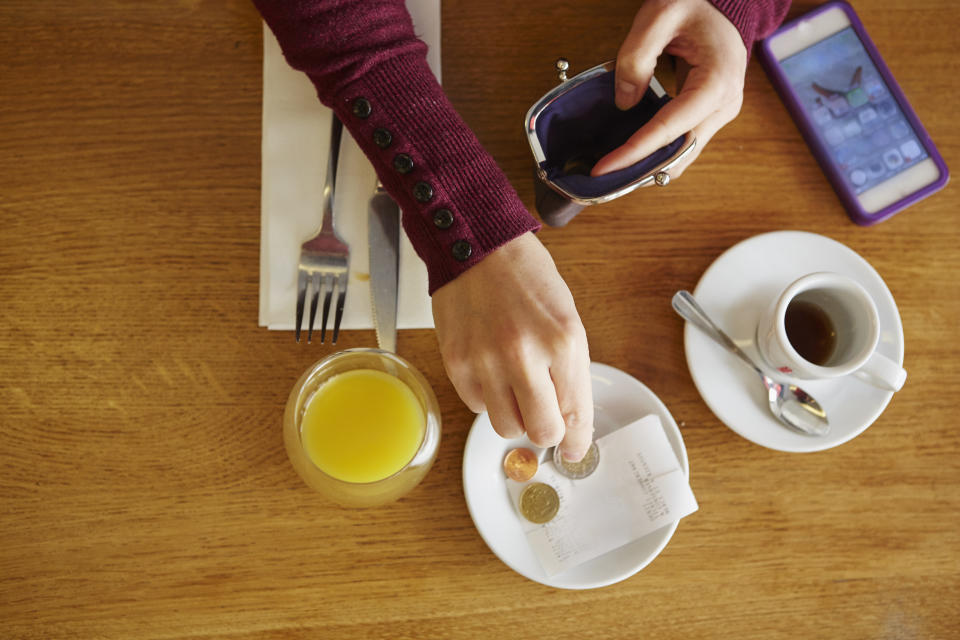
(577, 123)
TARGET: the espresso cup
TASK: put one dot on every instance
(826, 325)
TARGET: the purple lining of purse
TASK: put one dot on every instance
(585, 124)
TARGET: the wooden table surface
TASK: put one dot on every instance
(144, 489)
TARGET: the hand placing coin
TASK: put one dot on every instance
(520, 464)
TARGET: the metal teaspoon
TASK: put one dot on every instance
(790, 404)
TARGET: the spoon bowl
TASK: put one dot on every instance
(791, 405)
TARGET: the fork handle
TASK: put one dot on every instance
(336, 132)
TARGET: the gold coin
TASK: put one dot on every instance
(539, 502)
(577, 470)
(520, 464)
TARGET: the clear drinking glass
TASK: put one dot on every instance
(361, 494)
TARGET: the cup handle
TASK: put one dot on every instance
(881, 371)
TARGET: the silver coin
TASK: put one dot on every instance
(577, 470)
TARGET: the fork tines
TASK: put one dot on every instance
(327, 283)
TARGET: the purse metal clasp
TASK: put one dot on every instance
(576, 123)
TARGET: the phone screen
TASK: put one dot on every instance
(859, 123)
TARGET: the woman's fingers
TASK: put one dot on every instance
(503, 410)
(651, 31)
(677, 117)
(571, 379)
(513, 343)
(537, 400)
(709, 46)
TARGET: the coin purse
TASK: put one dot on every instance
(574, 125)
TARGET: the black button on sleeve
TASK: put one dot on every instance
(422, 191)
(443, 218)
(461, 250)
(361, 108)
(382, 138)
(403, 163)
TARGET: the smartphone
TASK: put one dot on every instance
(852, 113)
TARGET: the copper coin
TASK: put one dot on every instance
(577, 470)
(539, 502)
(520, 464)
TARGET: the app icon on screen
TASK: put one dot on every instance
(821, 115)
(834, 136)
(887, 108)
(838, 106)
(875, 90)
(899, 129)
(852, 129)
(893, 159)
(857, 97)
(910, 150)
(876, 169)
(846, 156)
(867, 115)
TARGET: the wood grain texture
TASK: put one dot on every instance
(144, 489)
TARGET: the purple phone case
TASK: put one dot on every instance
(800, 117)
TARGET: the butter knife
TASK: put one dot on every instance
(384, 236)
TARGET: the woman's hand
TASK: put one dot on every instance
(711, 92)
(513, 345)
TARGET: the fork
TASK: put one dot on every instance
(324, 258)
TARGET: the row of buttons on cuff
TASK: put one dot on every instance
(422, 191)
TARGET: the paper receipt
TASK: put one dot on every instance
(637, 488)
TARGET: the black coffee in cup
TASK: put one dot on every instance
(810, 331)
(825, 325)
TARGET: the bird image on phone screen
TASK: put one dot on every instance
(841, 101)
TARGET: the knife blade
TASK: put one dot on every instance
(384, 237)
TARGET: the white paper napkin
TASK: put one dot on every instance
(296, 130)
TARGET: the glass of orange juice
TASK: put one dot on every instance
(362, 427)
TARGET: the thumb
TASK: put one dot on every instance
(654, 27)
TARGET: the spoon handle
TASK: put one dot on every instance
(688, 308)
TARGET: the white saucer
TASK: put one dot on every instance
(734, 290)
(619, 399)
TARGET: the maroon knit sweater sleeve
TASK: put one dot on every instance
(754, 19)
(370, 68)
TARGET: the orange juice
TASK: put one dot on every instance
(362, 426)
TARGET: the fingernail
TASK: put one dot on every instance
(625, 95)
(572, 456)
